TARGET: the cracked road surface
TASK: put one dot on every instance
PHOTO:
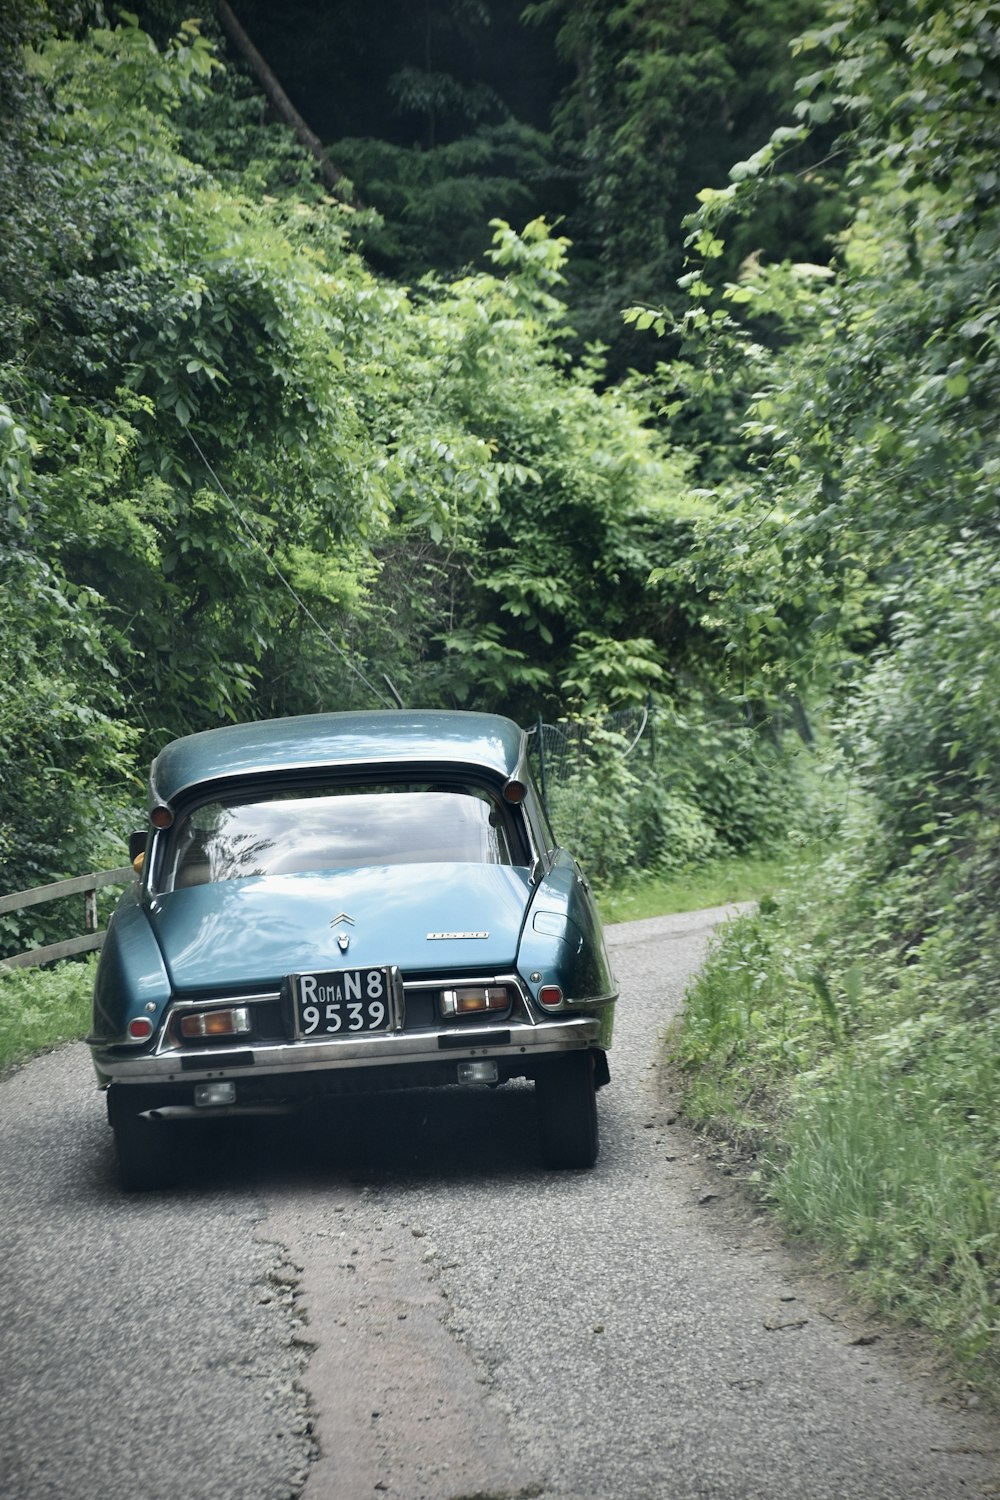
(393, 1297)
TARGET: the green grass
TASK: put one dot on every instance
(745, 877)
(868, 1090)
(882, 1170)
(39, 1008)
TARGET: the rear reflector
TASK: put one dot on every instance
(550, 994)
(140, 1029)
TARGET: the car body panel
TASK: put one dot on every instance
(132, 975)
(562, 913)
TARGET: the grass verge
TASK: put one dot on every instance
(39, 1008)
(863, 1091)
(720, 882)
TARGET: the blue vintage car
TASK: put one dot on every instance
(348, 902)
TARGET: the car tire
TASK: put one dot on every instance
(144, 1156)
(567, 1111)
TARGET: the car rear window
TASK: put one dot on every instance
(295, 833)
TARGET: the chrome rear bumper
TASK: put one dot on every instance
(506, 1041)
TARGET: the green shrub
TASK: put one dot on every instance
(592, 808)
(671, 832)
(693, 787)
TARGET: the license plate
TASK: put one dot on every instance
(342, 1002)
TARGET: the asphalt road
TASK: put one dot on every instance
(395, 1298)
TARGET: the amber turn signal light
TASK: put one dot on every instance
(474, 999)
(234, 1021)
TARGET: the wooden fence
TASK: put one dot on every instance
(93, 936)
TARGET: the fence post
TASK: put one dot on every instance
(78, 885)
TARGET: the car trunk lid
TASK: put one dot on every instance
(424, 918)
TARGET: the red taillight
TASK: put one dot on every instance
(550, 994)
(140, 1029)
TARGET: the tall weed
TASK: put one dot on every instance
(881, 1165)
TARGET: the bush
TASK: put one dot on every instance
(692, 788)
(671, 832)
(592, 808)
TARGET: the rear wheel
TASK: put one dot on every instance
(144, 1156)
(567, 1111)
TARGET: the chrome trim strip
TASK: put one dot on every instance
(458, 981)
(198, 1002)
(216, 1111)
(445, 981)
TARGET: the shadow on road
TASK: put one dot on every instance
(423, 1135)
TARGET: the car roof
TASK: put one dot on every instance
(309, 742)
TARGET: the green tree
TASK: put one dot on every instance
(246, 476)
(662, 96)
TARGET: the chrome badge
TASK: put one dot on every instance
(433, 936)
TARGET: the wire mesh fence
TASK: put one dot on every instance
(560, 751)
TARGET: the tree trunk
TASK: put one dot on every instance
(281, 103)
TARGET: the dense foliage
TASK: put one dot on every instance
(606, 117)
(660, 101)
(872, 428)
(243, 475)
